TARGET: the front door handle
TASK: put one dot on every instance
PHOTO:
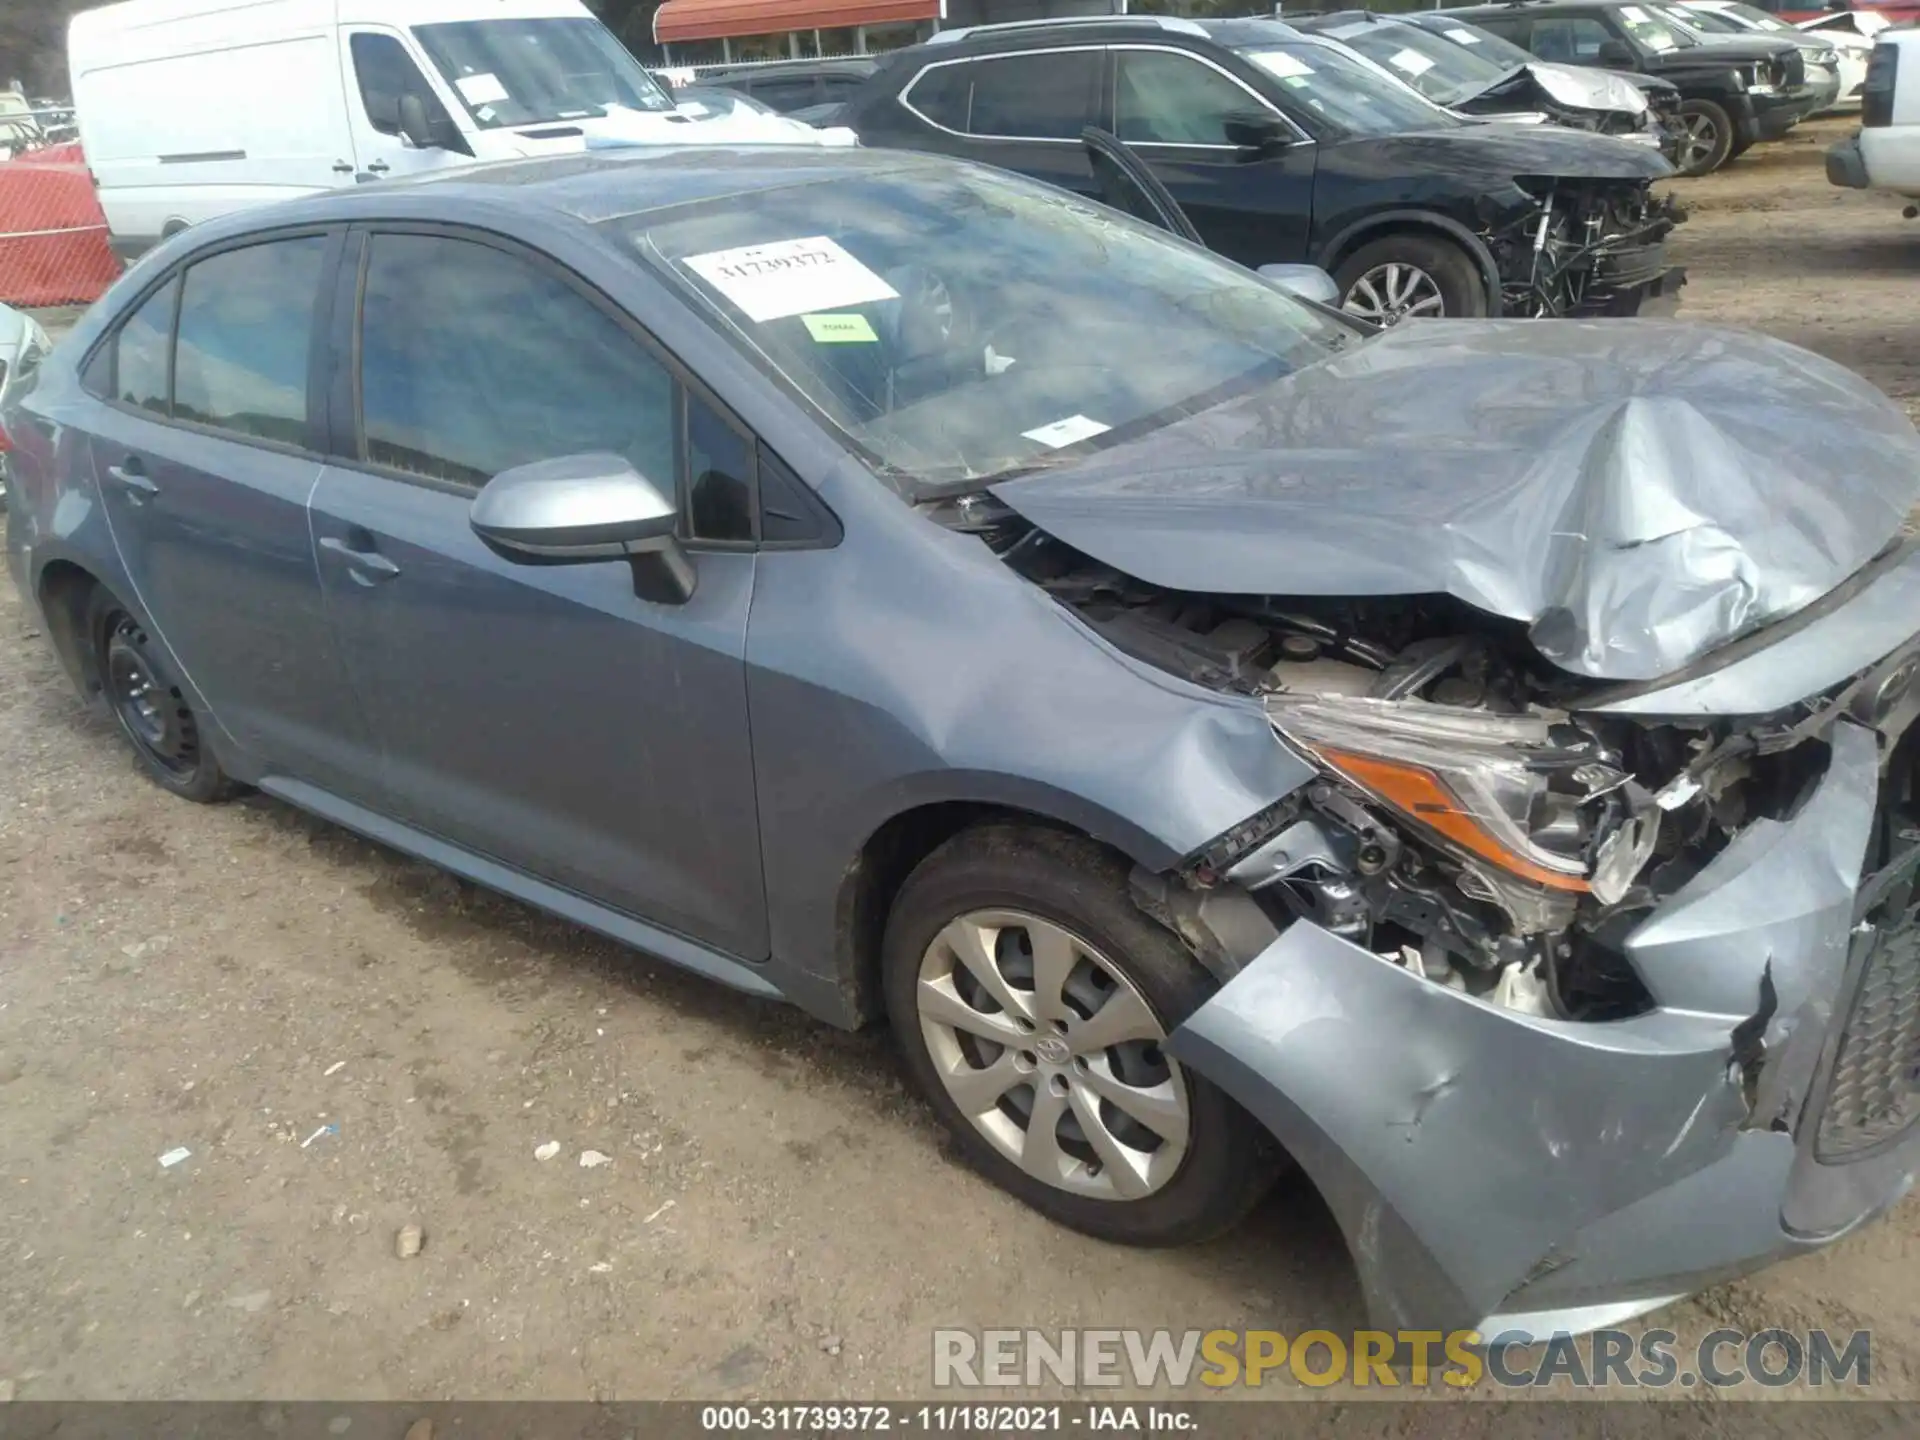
(369, 567)
(379, 167)
(131, 476)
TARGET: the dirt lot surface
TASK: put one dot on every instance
(349, 1043)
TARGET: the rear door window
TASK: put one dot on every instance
(1046, 96)
(137, 365)
(246, 328)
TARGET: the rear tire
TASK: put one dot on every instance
(150, 705)
(1706, 137)
(1408, 276)
(1116, 1140)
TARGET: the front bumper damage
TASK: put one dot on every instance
(1521, 1175)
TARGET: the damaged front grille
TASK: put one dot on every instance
(1874, 1092)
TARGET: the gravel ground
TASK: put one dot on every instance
(349, 1043)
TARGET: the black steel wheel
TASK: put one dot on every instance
(150, 705)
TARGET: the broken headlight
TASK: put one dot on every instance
(1516, 797)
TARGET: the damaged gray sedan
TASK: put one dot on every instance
(1469, 762)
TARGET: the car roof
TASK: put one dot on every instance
(590, 187)
(1507, 7)
(1098, 30)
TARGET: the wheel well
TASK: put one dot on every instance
(876, 875)
(64, 592)
(1353, 242)
(1430, 228)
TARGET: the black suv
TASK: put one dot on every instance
(1284, 148)
(1732, 93)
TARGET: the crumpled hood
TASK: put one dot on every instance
(1638, 492)
(1587, 88)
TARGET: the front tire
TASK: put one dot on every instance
(150, 705)
(1032, 1001)
(1706, 137)
(1411, 276)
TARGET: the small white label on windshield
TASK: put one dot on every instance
(1635, 14)
(482, 89)
(1283, 64)
(790, 277)
(1462, 37)
(1411, 62)
(1062, 433)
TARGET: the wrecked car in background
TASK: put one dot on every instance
(1286, 148)
(1461, 68)
(1472, 759)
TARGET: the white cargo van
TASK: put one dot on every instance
(192, 108)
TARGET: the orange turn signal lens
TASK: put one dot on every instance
(1419, 794)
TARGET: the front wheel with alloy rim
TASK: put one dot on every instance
(1033, 1001)
(1410, 276)
(150, 705)
(1706, 138)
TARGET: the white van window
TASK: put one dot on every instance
(527, 72)
(386, 72)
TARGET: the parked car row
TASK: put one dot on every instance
(1285, 147)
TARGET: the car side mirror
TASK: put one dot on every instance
(1616, 55)
(422, 131)
(582, 508)
(1309, 282)
(1257, 130)
(384, 111)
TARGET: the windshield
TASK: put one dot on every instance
(528, 72)
(1346, 93)
(1702, 21)
(1655, 34)
(1757, 19)
(1442, 71)
(1484, 43)
(960, 324)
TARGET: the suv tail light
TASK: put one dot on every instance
(1876, 95)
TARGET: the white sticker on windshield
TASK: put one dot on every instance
(1411, 62)
(1062, 433)
(1283, 64)
(1635, 14)
(1461, 37)
(482, 89)
(790, 277)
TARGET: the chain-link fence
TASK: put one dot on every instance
(53, 235)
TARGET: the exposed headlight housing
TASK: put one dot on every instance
(1528, 798)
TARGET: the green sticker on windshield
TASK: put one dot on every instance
(840, 329)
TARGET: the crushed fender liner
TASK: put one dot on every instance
(1510, 1172)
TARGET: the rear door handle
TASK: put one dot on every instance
(368, 566)
(341, 167)
(131, 476)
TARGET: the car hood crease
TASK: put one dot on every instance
(1638, 493)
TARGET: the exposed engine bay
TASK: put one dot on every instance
(1591, 248)
(1472, 822)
